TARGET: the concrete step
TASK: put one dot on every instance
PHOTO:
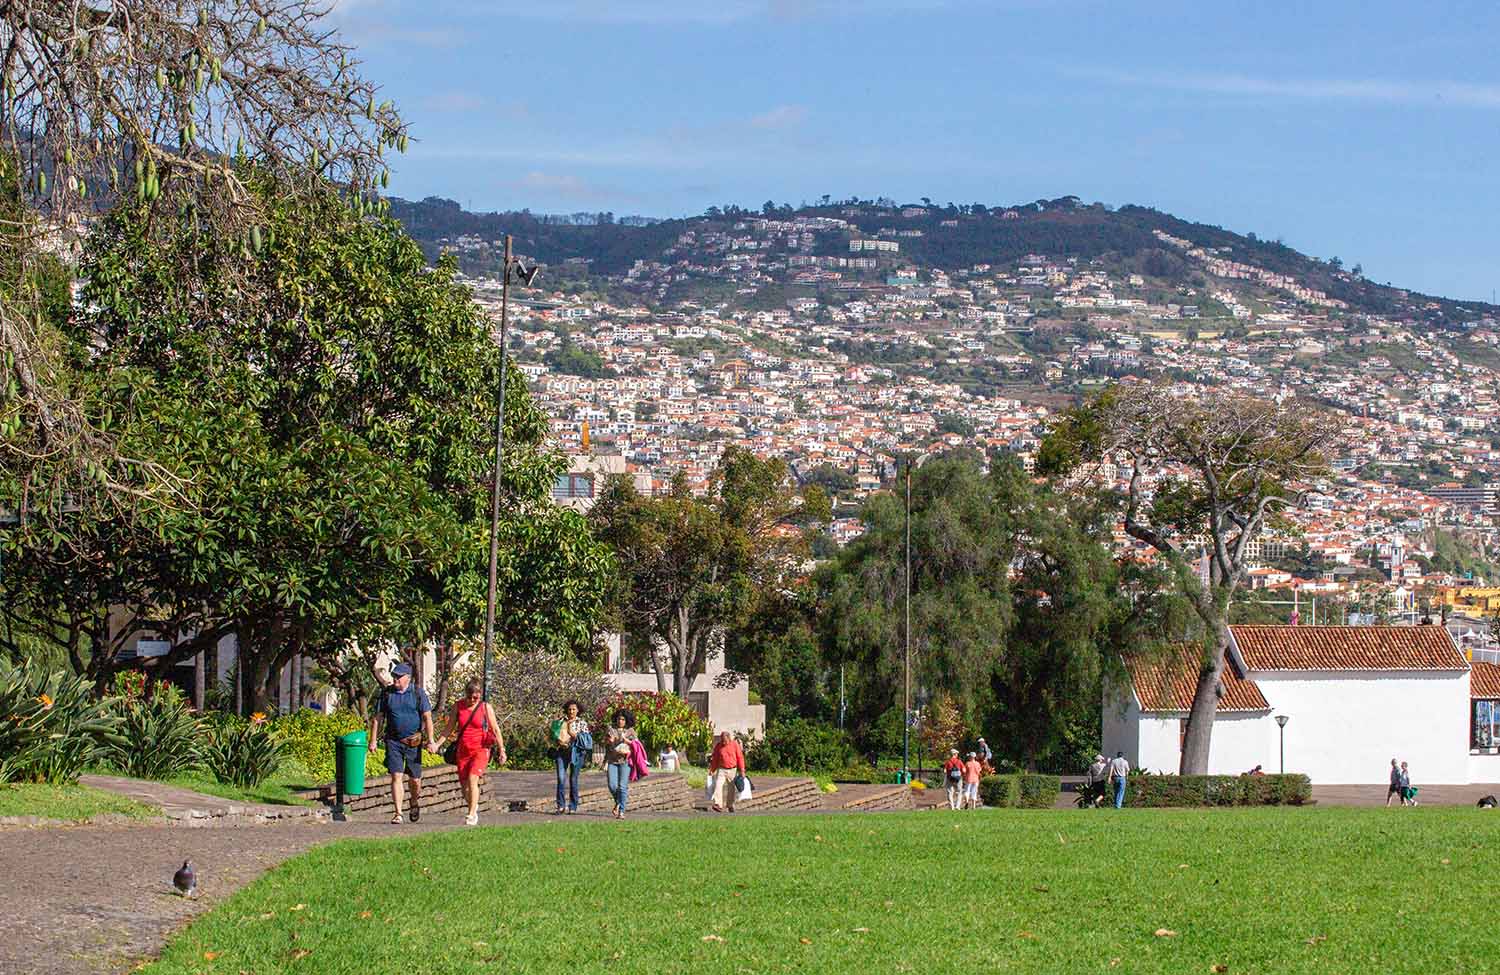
(873, 798)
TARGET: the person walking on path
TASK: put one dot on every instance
(1408, 794)
(617, 751)
(986, 757)
(407, 715)
(1394, 792)
(1119, 771)
(1094, 781)
(953, 776)
(567, 737)
(726, 764)
(972, 771)
(473, 720)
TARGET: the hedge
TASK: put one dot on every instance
(1020, 791)
(1218, 790)
(800, 744)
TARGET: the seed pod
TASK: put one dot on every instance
(255, 238)
(198, 79)
(140, 169)
(193, 61)
(239, 147)
(385, 178)
(68, 155)
(161, 76)
(192, 131)
(218, 70)
(401, 143)
(41, 183)
(370, 109)
(316, 164)
(203, 17)
(260, 28)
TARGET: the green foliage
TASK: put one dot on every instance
(1020, 791)
(660, 720)
(571, 360)
(159, 735)
(801, 745)
(306, 737)
(242, 753)
(1218, 790)
(52, 727)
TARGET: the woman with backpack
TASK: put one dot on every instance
(478, 732)
(953, 777)
(571, 745)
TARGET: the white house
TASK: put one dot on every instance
(1354, 698)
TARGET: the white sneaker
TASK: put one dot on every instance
(472, 819)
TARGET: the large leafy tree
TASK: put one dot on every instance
(693, 568)
(154, 101)
(960, 592)
(331, 428)
(1203, 472)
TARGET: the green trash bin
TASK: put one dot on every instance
(349, 762)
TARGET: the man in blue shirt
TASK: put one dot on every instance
(407, 715)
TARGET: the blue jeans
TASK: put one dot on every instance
(617, 775)
(1119, 793)
(567, 775)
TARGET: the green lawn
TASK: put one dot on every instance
(1256, 890)
(68, 802)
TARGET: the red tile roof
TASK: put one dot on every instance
(1167, 682)
(1347, 648)
(1484, 680)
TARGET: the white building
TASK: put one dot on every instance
(1354, 698)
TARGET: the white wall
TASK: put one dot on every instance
(1243, 740)
(1485, 769)
(1346, 726)
(1121, 718)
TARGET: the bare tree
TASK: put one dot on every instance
(167, 103)
(1206, 470)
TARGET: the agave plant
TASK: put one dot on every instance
(51, 726)
(242, 753)
(159, 736)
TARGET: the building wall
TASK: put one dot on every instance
(1483, 769)
(1346, 727)
(1121, 725)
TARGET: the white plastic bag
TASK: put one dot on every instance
(708, 786)
(746, 793)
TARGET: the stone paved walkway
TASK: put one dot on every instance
(183, 806)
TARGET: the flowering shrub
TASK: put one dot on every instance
(660, 720)
(160, 736)
(242, 753)
(51, 727)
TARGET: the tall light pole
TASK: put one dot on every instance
(906, 681)
(1281, 721)
(527, 276)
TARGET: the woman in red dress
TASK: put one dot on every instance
(474, 722)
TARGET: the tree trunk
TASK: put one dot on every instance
(1200, 726)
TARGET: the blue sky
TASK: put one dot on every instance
(1368, 131)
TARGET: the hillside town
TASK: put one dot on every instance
(804, 338)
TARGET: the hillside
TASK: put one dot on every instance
(950, 238)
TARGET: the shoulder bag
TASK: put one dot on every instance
(450, 753)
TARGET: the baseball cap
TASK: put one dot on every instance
(401, 670)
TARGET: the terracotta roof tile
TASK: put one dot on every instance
(1166, 683)
(1484, 680)
(1347, 648)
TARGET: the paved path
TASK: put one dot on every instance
(189, 807)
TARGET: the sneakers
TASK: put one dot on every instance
(396, 820)
(472, 819)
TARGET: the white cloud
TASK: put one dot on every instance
(780, 117)
(1403, 92)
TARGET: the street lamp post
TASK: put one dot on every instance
(906, 664)
(1281, 721)
(527, 276)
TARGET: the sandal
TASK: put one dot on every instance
(396, 820)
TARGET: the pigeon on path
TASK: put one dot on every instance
(185, 880)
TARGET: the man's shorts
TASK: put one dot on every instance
(403, 758)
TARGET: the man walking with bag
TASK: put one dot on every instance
(407, 715)
(1119, 770)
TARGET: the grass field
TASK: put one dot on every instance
(72, 803)
(1255, 890)
(275, 791)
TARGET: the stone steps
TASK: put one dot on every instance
(877, 799)
(498, 791)
(657, 792)
(780, 794)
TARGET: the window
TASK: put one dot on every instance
(1486, 725)
(573, 486)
